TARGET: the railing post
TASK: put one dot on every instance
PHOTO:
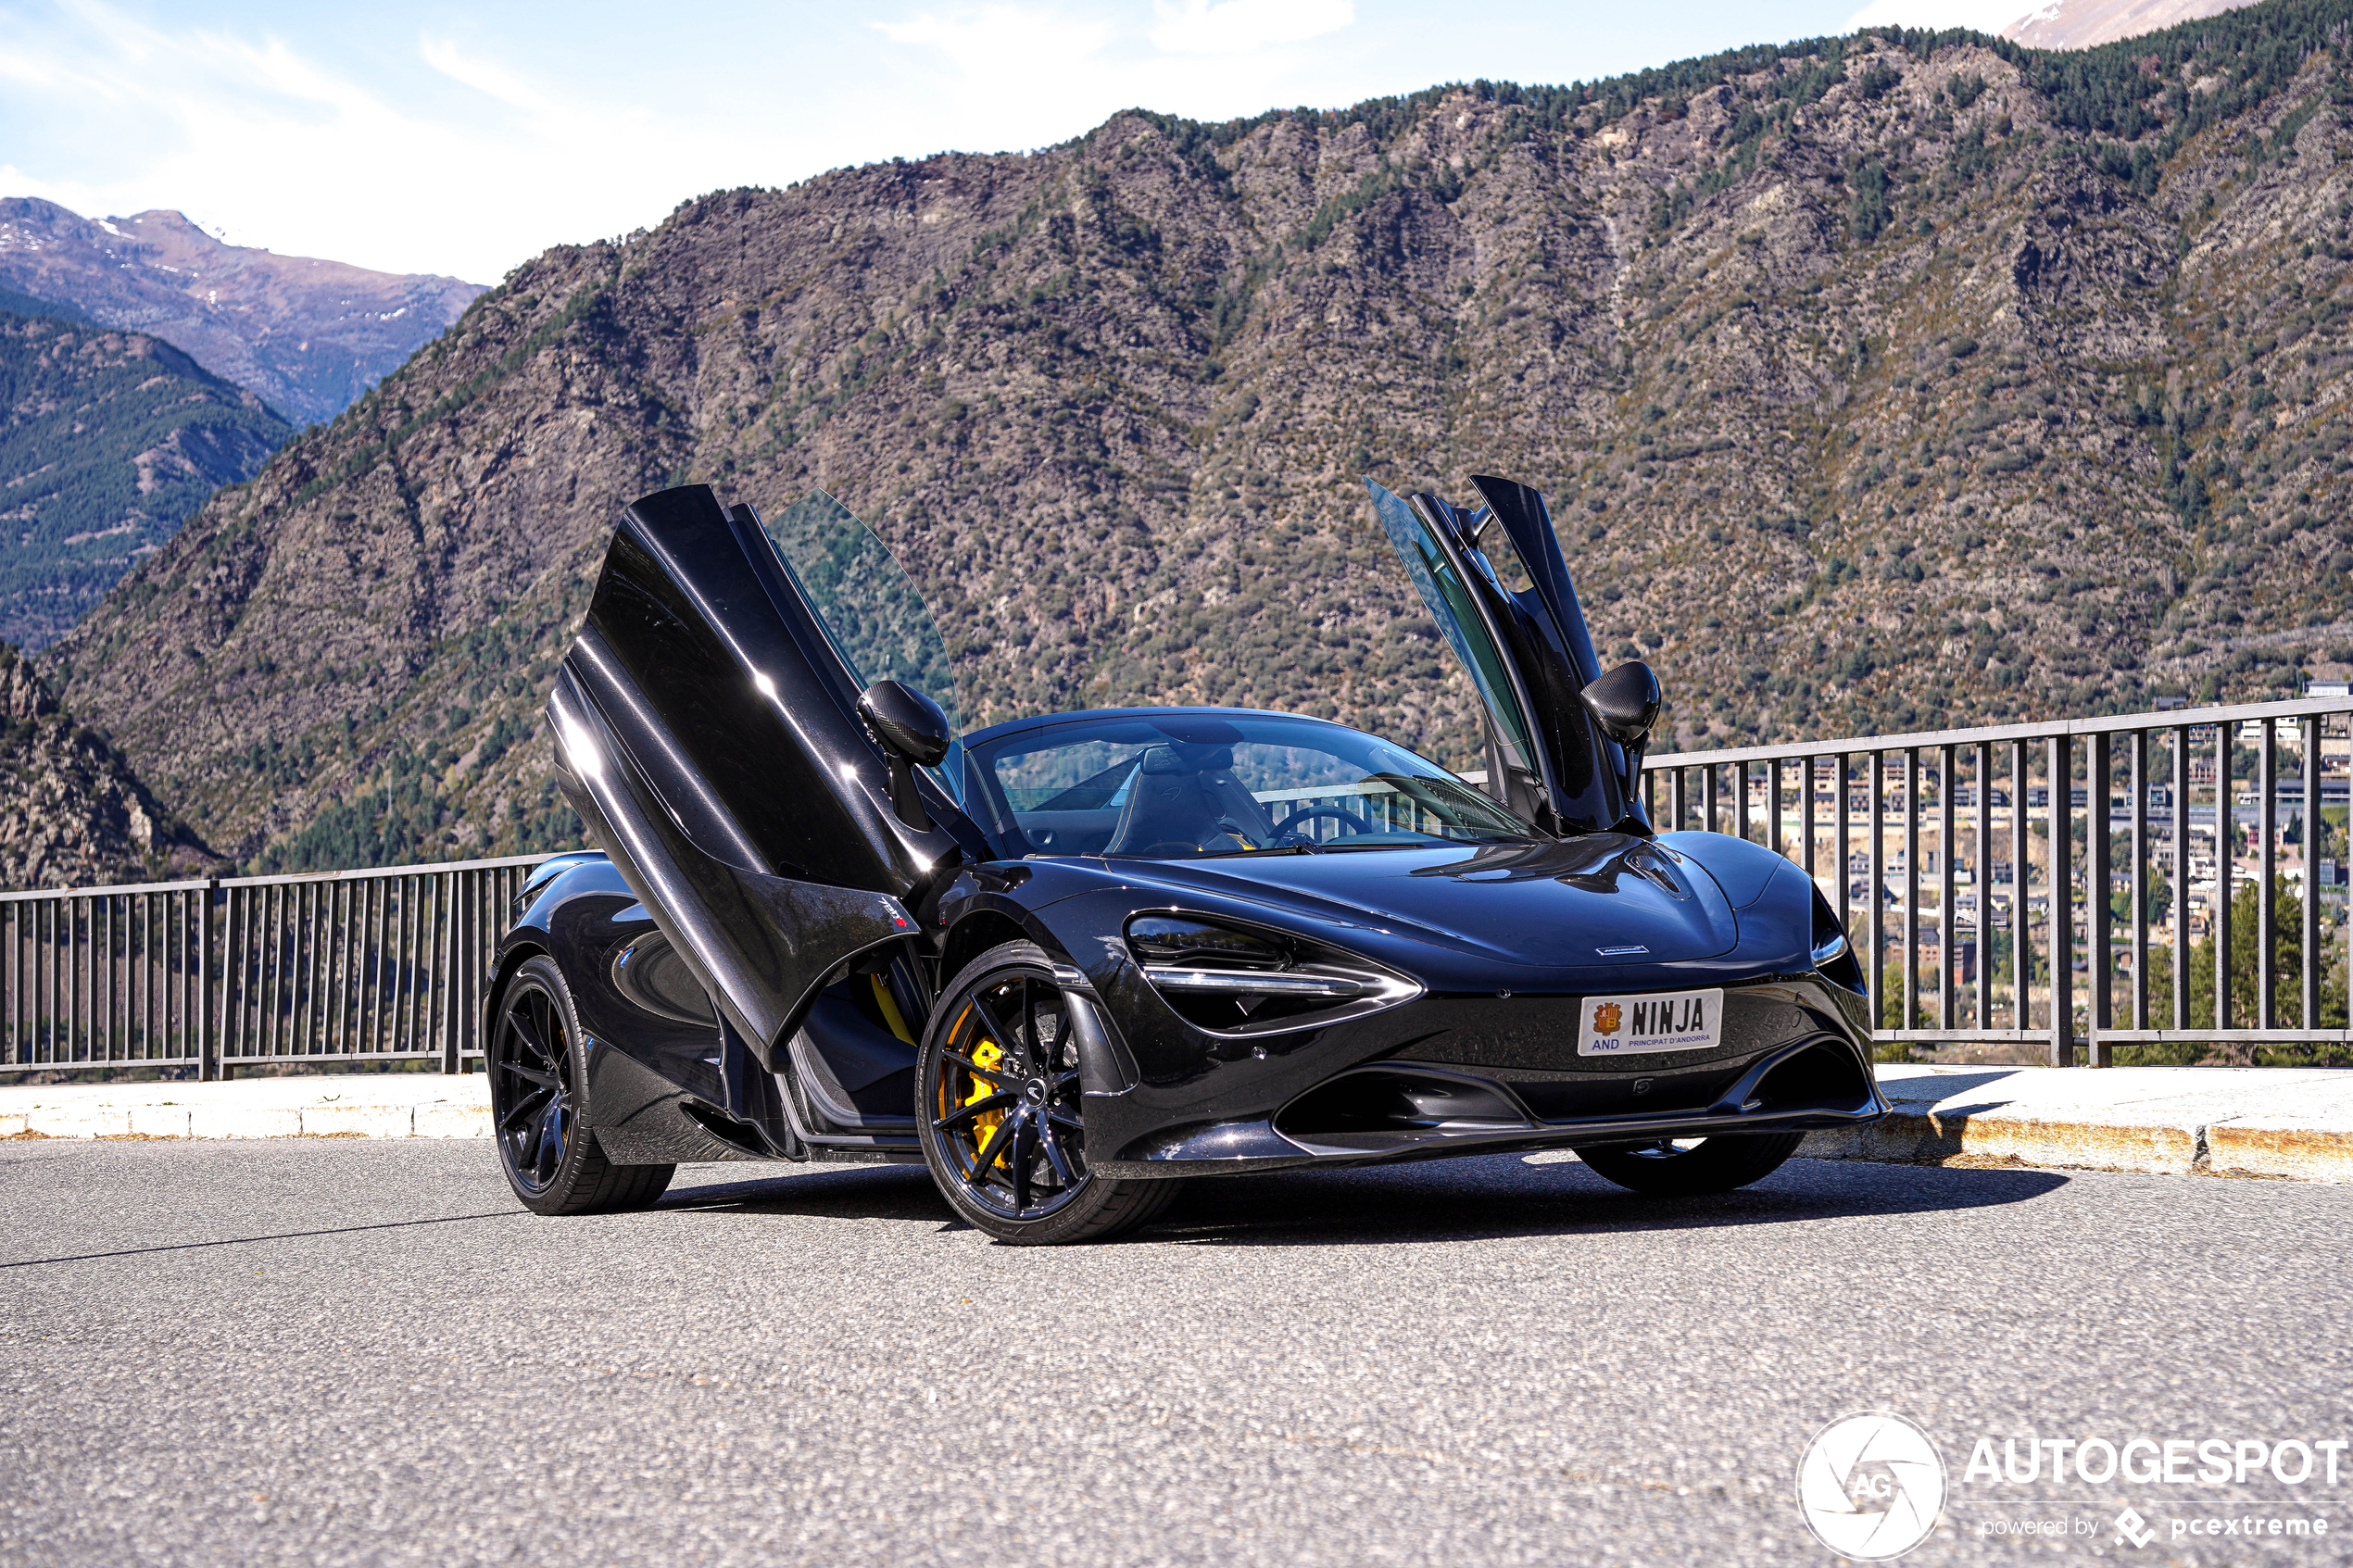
(1877, 970)
(1981, 1016)
(1806, 818)
(1911, 887)
(2061, 773)
(2267, 817)
(1845, 849)
(2225, 873)
(1945, 1008)
(2309, 936)
(2097, 966)
(451, 986)
(2140, 879)
(2021, 927)
(2180, 1010)
(208, 1042)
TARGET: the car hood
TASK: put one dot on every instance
(1603, 900)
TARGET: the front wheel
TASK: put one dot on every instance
(539, 1108)
(1666, 1169)
(1002, 1117)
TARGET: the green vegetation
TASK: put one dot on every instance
(109, 441)
(2287, 970)
(1891, 1008)
(16, 302)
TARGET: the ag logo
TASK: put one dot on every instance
(1605, 1019)
(1872, 1486)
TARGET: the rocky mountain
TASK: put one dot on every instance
(1877, 381)
(71, 812)
(307, 335)
(2080, 24)
(108, 440)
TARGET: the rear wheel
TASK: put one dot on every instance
(541, 1115)
(1666, 1169)
(1000, 1112)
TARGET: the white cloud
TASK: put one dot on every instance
(257, 137)
(1985, 16)
(416, 135)
(1002, 75)
(1239, 27)
(1004, 45)
(483, 75)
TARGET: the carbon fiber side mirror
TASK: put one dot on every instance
(1624, 702)
(915, 732)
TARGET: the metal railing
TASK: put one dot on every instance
(2024, 941)
(1984, 916)
(340, 966)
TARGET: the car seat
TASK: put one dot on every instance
(1186, 799)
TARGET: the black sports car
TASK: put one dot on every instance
(1066, 960)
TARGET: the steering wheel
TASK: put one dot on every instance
(1351, 823)
(1184, 847)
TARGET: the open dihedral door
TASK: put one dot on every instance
(1496, 583)
(707, 734)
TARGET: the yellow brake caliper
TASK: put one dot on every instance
(987, 1055)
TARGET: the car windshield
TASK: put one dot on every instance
(1192, 786)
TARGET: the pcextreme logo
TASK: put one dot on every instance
(1872, 1486)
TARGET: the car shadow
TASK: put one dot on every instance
(834, 1192)
(1504, 1196)
(1945, 1086)
(1464, 1199)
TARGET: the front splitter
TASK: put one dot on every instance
(1236, 1149)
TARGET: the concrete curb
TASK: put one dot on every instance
(2291, 1124)
(353, 1106)
(2284, 1123)
(319, 1122)
(2270, 1147)
(1912, 1137)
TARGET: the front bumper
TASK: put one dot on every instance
(1463, 1077)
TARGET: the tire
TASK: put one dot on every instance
(998, 1076)
(1717, 1164)
(540, 1116)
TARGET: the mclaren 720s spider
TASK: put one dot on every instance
(1068, 961)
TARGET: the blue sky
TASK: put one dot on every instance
(464, 139)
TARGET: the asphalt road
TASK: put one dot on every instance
(362, 1352)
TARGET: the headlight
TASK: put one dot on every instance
(1833, 955)
(1237, 980)
(1174, 939)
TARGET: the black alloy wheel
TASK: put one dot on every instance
(1001, 1114)
(1665, 1168)
(540, 1112)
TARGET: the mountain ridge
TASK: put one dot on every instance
(308, 335)
(2084, 24)
(1878, 382)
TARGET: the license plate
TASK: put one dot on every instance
(1663, 1020)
